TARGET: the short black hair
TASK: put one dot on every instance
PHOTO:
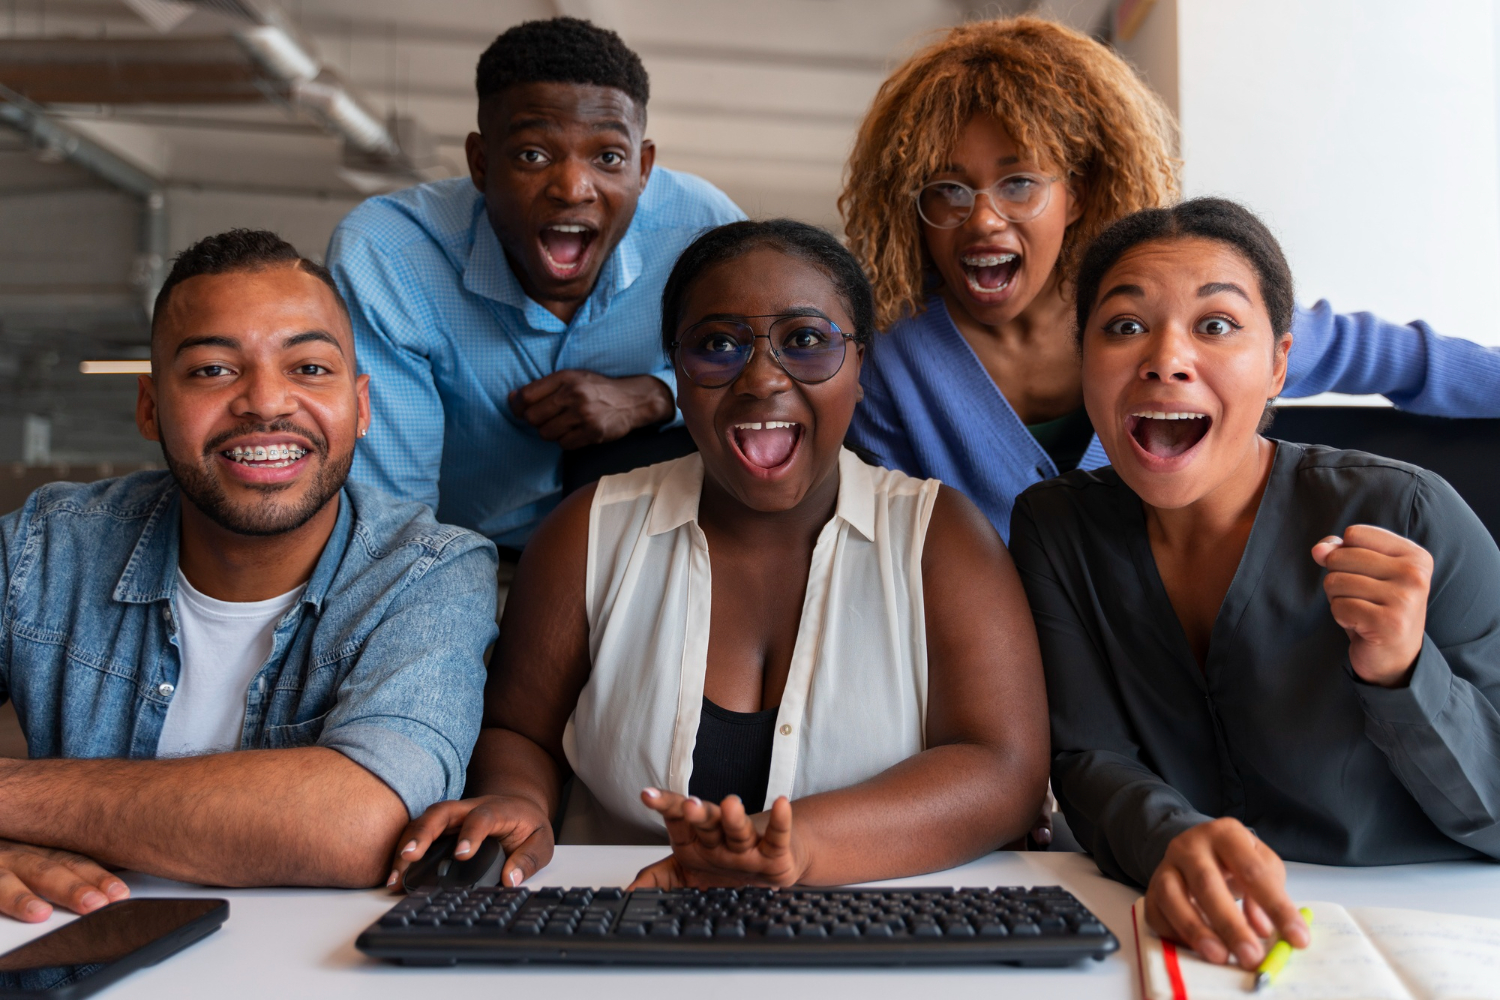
(561, 50)
(817, 246)
(239, 250)
(1218, 219)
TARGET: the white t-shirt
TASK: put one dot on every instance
(223, 645)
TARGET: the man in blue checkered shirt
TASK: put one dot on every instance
(508, 316)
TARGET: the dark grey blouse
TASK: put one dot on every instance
(1275, 729)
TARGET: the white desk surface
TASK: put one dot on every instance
(300, 942)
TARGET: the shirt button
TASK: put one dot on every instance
(165, 690)
(786, 729)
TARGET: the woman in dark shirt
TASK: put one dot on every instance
(1254, 649)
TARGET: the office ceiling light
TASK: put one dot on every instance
(140, 367)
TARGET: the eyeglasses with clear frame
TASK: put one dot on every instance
(809, 348)
(1018, 197)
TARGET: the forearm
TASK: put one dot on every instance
(941, 808)
(505, 763)
(1442, 738)
(655, 402)
(308, 816)
(1120, 811)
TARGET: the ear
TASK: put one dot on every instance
(1078, 191)
(362, 401)
(145, 408)
(1279, 363)
(478, 161)
(648, 160)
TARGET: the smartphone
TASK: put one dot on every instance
(104, 946)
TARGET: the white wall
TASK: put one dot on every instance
(1365, 133)
(305, 221)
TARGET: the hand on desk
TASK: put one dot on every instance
(524, 832)
(1377, 587)
(720, 845)
(577, 408)
(31, 878)
(1192, 894)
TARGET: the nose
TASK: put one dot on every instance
(1169, 356)
(985, 215)
(761, 376)
(570, 183)
(264, 396)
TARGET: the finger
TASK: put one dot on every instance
(91, 872)
(419, 834)
(46, 874)
(1258, 920)
(18, 901)
(1042, 831)
(586, 432)
(1206, 885)
(1365, 588)
(658, 875)
(529, 857)
(778, 836)
(706, 821)
(1258, 874)
(1361, 616)
(1367, 562)
(1368, 536)
(543, 387)
(739, 831)
(669, 804)
(1324, 548)
(1176, 917)
(1261, 876)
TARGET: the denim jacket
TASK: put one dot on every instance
(381, 659)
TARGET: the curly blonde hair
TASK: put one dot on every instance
(1061, 96)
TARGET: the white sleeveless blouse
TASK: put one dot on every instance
(855, 701)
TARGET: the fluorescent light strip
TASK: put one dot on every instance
(142, 367)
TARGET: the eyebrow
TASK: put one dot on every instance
(954, 168)
(1134, 291)
(737, 317)
(209, 341)
(230, 343)
(547, 124)
(1215, 287)
(313, 336)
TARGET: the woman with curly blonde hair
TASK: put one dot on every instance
(988, 161)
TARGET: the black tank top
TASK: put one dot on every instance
(733, 755)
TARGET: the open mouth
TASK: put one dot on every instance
(766, 445)
(990, 273)
(275, 456)
(1166, 435)
(565, 248)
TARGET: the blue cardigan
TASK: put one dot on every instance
(931, 410)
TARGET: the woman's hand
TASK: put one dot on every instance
(524, 831)
(1192, 894)
(1377, 586)
(721, 846)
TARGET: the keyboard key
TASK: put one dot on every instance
(729, 930)
(780, 931)
(993, 928)
(811, 930)
(632, 928)
(846, 930)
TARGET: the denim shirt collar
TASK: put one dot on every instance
(151, 571)
(487, 273)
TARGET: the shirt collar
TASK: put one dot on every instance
(677, 498)
(487, 273)
(150, 573)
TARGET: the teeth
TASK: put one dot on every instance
(1161, 415)
(769, 425)
(284, 454)
(570, 229)
(988, 260)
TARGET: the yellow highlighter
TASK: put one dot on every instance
(1277, 957)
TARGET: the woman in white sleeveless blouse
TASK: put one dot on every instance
(770, 618)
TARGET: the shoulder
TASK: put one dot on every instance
(85, 528)
(402, 533)
(124, 498)
(675, 200)
(439, 215)
(1348, 472)
(1074, 494)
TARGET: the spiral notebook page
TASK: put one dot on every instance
(1440, 956)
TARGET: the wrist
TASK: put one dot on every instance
(657, 405)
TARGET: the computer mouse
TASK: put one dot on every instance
(439, 869)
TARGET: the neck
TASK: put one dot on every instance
(563, 309)
(228, 566)
(1044, 319)
(724, 517)
(1225, 513)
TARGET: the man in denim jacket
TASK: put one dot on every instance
(248, 600)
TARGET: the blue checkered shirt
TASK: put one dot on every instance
(445, 333)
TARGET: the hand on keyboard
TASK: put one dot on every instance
(721, 846)
(523, 829)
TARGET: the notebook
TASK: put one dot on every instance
(1359, 953)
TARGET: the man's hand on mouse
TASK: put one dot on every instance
(523, 829)
(1377, 586)
(577, 408)
(33, 878)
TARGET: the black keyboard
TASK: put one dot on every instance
(1044, 925)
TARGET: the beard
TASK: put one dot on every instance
(264, 516)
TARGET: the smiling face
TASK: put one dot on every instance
(766, 439)
(254, 396)
(991, 268)
(561, 166)
(1179, 359)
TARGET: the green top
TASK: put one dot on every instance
(1064, 439)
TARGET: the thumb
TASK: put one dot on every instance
(1325, 548)
(529, 857)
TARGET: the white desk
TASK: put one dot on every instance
(284, 943)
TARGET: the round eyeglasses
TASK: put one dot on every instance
(1017, 198)
(808, 348)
